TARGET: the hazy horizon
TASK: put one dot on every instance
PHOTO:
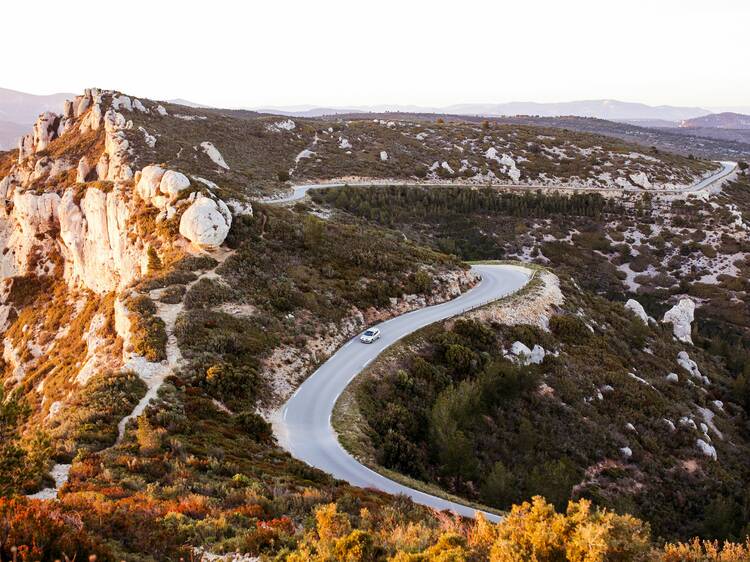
(341, 54)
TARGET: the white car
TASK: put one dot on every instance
(370, 335)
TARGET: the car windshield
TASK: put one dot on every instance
(369, 333)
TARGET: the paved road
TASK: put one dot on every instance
(303, 425)
(300, 191)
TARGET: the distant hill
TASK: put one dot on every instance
(726, 120)
(18, 110)
(662, 123)
(10, 133)
(187, 103)
(20, 107)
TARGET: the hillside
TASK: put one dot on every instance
(156, 308)
(718, 120)
(623, 430)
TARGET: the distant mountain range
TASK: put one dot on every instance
(18, 110)
(611, 110)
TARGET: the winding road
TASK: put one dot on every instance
(303, 425)
(707, 183)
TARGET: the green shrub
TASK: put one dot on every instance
(570, 329)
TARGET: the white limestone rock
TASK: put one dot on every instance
(98, 251)
(636, 308)
(102, 166)
(148, 184)
(25, 147)
(149, 139)
(537, 354)
(681, 316)
(172, 183)
(626, 452)
(672, 377)
(44, 130)
(138, 106)
(206, 222)
(161, 111)
(684, 361)
(122, 102)
(641, 180)
(706, 449)
(520, 349)
(383, 155)
(83, 103)
(213, 153)
(83, 169)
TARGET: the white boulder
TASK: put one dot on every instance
(520, 349)
(213, 153)
(383, 155)
(681, 316)
(684, 361)
(172, 183)
(706, 449)
(122, 102)
(641, 180)
(537, 354)
(206, 222)
(148, 185)
(636, 308)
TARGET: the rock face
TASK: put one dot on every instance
(681, 316)
(636, 308)
(206, 222)
(641, 180)
(89, 236)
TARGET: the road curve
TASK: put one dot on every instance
(303, 425)
(300, 191)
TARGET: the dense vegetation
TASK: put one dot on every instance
(457, 412)
(480, 426)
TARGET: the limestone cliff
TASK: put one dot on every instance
(79, 225)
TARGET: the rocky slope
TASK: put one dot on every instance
(80, 224)
(108, 254)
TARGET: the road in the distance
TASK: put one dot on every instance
(300, 191)
(303, 425)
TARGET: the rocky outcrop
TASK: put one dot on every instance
(99, 249)
(90, 237)
(637, 308)
(206, 221)
(213, 153)
(533, 307)
(681, 316)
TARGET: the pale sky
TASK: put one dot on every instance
(358, 52)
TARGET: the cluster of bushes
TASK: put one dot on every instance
(148, 333)
(92, 416)
(455, 412)
(289, 263)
